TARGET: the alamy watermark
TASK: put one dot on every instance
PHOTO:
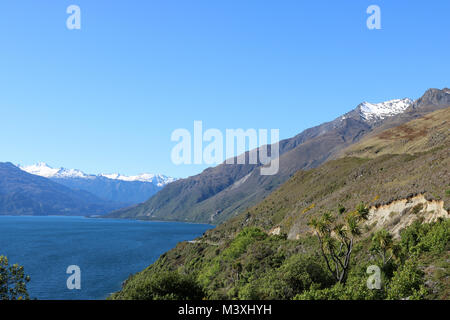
(191, 150)
(74, 20)
(374, 280)
(74, 280)
(374, 20)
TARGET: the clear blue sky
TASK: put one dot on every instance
(106, 98)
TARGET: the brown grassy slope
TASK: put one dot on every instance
(350, 180)
(415, 136)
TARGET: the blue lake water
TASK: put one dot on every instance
(106, 250)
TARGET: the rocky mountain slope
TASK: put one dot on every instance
(224, 191)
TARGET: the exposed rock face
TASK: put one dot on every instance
(399, 214)
(433, 97)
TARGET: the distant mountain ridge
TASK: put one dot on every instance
(22, 193)
(118, 188)
(224, 191)
(157, 179)
(44, 170)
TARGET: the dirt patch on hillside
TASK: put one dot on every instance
(399, 214)
(402, 132)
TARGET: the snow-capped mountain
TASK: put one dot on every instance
(115, 187)
(378, 111)
(158, 179)
(28, 194)
(44, 170)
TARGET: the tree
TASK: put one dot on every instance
(383, 245)
(13, 281)
(336, 239)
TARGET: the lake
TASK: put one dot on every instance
(106, 250)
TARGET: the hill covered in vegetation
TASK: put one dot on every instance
(385, 203)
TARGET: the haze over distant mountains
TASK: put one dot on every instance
(114, 187)
(44, 170)
(224, 191)
(22, 193)
(42, 190)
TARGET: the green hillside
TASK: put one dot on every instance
(271, 251)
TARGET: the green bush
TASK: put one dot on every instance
(407, 283)
(298, 273)
(350, 291)
(425, 237)
(437, 238)
(354, 289)
(213, 272)
(242, 240)
(161, 286)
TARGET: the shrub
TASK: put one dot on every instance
(161, 286)
(407, 283)
(418, 237)
(240, 243)
(297, 274)
(354, 289)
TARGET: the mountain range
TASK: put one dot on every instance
(22, 193)
(126, 190)
(42, 190)
(219, 193)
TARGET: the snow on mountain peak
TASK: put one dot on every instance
(158, 179)
(44, 170)
(373, 111)
(41, 169)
